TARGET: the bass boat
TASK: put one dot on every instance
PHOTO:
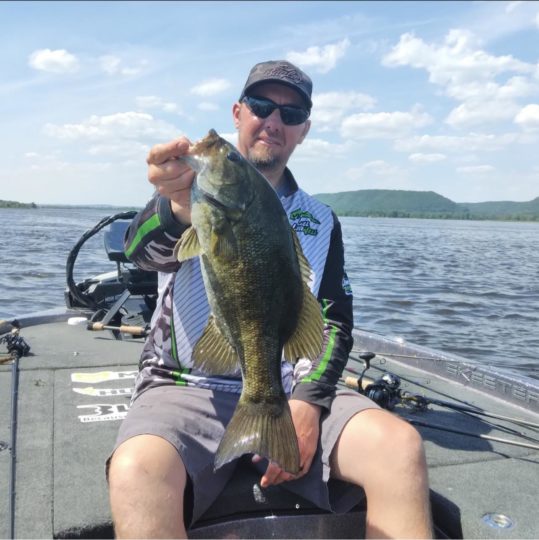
(66, 377)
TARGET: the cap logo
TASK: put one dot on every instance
(284, 72)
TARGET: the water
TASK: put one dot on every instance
(470, 288)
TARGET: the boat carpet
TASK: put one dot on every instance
(74, 390)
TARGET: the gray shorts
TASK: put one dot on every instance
(194, 419)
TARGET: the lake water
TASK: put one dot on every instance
(470, 288)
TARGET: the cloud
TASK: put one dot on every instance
(383, 124)
(329, 108)
(457, 61)
(472, 114)
(156, 102)
(319, 149)
(211, 87)
(476, 169)
(113, 66)
(322, 59)
(57, 61)
(426, 158)
(127, 125)
(528, 117)
(468, 74)
(472, 142)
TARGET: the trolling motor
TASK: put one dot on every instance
(384, 391)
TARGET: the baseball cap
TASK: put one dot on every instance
(280, 71)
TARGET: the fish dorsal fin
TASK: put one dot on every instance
(188, 246)
(306, 341)
(304, 266)
(213, 354)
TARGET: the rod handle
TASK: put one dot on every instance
(352, 382)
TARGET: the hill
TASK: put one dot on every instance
(423, 204)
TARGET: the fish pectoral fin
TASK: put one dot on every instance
(306, 341)
(223, 243)
(213, 354)
(304, 266)
(188, 246)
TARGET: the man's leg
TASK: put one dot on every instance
(146, 482)
(385, 455)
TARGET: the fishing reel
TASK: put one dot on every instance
(16, 345)
(384, 391)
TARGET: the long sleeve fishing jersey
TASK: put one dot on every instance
(182, 309)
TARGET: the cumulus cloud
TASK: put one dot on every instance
(57, 61)
(528, 117)
(211, 87)
(383, 124)
(476, 169)
(426, 158)
(322, 59)
(468, 74)
(329, 108)
(127, 125)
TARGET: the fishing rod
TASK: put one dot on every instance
(386, 392)
(422, 402)
(17, 348)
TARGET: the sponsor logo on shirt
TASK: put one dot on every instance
(304, 222)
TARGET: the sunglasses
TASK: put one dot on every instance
(263, 107)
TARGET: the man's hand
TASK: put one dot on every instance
(306, 418)
(171, 177)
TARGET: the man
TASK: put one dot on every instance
(178, 416)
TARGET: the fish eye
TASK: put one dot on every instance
(233, 156)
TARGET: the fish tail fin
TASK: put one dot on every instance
(266, 430)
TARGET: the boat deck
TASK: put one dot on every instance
(74, 389)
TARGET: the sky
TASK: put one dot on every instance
(427, 96)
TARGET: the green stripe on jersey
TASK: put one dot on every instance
(145, 228)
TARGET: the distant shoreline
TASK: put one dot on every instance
(15, 204)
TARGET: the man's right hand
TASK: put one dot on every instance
(171, 177)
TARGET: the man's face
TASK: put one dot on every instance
(268, 142)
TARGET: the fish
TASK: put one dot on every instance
(256, 280)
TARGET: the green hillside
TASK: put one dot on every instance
(423, 204)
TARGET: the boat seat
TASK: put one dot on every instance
(114, 241)
(242, 504)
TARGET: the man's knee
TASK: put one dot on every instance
(143, 459)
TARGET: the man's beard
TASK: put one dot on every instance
(263, 161)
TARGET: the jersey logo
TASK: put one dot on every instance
(304, 222)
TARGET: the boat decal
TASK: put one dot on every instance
(102, 376)
(103, 392)
(104, 412)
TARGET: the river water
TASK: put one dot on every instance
(466, 287)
